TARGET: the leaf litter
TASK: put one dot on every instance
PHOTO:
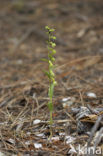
(78, 99)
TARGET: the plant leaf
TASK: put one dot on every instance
(51, 90)
(44, 59)
(50, 106)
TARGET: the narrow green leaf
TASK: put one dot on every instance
(45, 60)
(50, 106)
(51, 90)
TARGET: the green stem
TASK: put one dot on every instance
(51, 122)
(51, 117)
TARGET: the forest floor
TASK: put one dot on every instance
(78, 97)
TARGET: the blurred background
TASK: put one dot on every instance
(78, 27)
(79, 32)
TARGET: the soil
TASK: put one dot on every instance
(78, 97)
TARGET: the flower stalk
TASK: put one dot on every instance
(50, 73)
